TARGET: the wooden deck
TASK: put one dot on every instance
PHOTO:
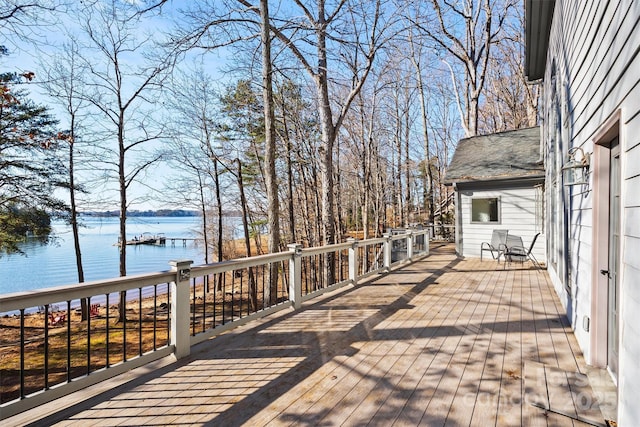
(440, 342)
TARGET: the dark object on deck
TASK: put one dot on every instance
(517, 252)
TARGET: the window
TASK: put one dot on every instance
(485, 210)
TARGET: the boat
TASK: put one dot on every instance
(147, 238)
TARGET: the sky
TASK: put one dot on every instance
(31, 52)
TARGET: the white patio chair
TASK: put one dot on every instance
(498, 239)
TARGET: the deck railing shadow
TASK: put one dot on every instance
(274, 356)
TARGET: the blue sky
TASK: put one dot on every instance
(34, 53)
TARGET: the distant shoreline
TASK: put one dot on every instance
(147, 213)
(176, 213)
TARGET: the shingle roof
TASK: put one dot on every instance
(506, 155)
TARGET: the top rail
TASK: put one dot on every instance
(38, 297)
(239, 263)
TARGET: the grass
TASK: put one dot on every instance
(78, 361)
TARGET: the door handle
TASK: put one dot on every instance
(604, 272)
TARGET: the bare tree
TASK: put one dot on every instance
(322, 21)
(271, 182)
(253, 290)
(63, 82)
(296, 127)
(22, 20)
(469, 45)
(121, 76)
(356, 33)
(510, 101)
(416, 57)
(336, 46)
(192, 101)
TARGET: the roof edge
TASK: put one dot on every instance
(538, 17)
(476, 183)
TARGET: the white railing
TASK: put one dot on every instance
(133, 320)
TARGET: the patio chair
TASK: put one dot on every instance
(498, 239)
(57, 319)
(514, 251)
(94, 310)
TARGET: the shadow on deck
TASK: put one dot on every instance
(442, 341)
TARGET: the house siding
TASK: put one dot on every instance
(594, 49)
(517, 214)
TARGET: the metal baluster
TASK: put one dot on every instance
(224, 294)
(88, 335)
(22, 393)
(140, 321)
(193, 309)
(46, 346)
(216, 282)
(233, 300)
(264, 305)
(68, 341)
(168, 316)
(205, 285)
(107, 364)
(240, 309)
(124, 329)
(155, 316)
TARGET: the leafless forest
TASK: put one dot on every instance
(314, 119)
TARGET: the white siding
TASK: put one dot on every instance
(595, 46)
(630, 346)
(517, 214)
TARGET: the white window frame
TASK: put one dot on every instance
(498, 220)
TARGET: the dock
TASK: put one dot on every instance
(147, 239)
(158, 239)
(183, 239)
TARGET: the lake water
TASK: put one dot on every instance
(46, 266)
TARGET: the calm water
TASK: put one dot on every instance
(50, 265)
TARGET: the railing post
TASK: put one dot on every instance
(426, 244)
(353, 260)
(295, 275)
(386, 259)
(410, 239)
(180, 308)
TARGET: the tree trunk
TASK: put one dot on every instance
(205, 238)
(398, 172)
(273, 210)
(407, 167)
(219, 203)
(292, 218)
(74, 218)
(203, 212)
(428, 188)
(122, 310)
(287, 139)
(253, 291)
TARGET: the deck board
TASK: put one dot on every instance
(442, 341)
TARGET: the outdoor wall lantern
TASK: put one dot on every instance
(576, 170)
